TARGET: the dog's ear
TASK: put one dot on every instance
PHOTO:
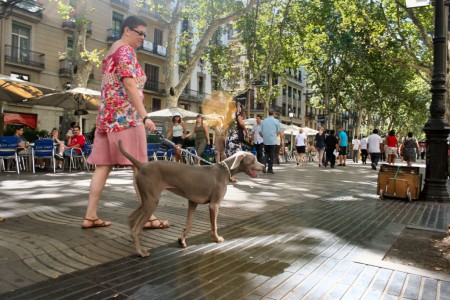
(237, 160)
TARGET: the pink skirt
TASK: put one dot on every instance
(105, 151)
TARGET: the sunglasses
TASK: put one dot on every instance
(141, 33)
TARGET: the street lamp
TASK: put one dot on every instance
(437, 128)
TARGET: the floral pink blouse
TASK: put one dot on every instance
(115, 112)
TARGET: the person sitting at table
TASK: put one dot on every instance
(23, 146)
(54, 135)
(76, 144)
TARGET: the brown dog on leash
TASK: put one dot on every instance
(198, 184)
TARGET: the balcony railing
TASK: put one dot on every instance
(69, 27)
(122, 3)
(145, 11)
(112, 35)
(65, 67)
(153, 86)
(310, 115)
(193, 95)
(151, 47)
(16, 55)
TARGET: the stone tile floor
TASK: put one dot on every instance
(303, 233)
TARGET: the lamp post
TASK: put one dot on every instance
(437, 128)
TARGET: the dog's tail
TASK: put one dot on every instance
(133, 160)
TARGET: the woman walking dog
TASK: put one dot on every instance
(121, 116)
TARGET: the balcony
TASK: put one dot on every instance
(69, 26)
(27, 10)
(149, 47)
(193, 95)
(146, 12)
(153, 86)
(65, 67)
(24, 58)
(121, 4)
(310, 115)
(112, 35)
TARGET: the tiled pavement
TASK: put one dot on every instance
(303, 233)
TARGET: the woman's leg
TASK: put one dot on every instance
(153, 222)
(97, 185)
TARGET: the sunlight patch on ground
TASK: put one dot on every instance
(27, 184)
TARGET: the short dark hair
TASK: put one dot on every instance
(260, 116)
(19, 127)
(375, 131)
(132, 22)
(392, 133)
(332, 131)
(77, 126)
(410, 134)
(271, 112)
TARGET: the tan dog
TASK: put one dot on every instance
(198, 184)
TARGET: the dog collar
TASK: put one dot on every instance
(228, 169)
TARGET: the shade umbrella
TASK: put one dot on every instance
(167, 113)
(309, 131)
(78, 99)
(291, 130)
(15, 90)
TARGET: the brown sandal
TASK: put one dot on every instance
(95, 225)
(162, 224)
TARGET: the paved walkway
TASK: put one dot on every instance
(303, 233)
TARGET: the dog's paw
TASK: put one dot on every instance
(182, 243)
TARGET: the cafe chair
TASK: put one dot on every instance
(44, 149)
(8, 153)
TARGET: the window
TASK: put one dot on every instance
(117, 20)
(158, 37)
(156, 104)
(20, 40)
(201, 85)
(152, 73)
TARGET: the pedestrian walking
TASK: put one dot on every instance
(374, 147)
(363, 147)
(257, 139)
(121, 116)
(177, 130)
(220, 132)
(319, 143)
(343, 143)
(300, 143)
(356, 147)
(409, 149)
(270, 129)
(331, 144)
(392, 144)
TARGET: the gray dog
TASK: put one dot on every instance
(198, 184)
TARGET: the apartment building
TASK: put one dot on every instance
(36, 44)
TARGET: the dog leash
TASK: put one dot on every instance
(181, 149)
(189, 153)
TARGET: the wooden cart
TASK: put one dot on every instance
(399, 182)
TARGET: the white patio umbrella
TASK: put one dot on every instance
(78, 99)
(291, 130)
(309, 131)
(166, 114)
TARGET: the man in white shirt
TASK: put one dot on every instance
(363, 148)
(355, 148)
(374, 147)
(258, 139)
